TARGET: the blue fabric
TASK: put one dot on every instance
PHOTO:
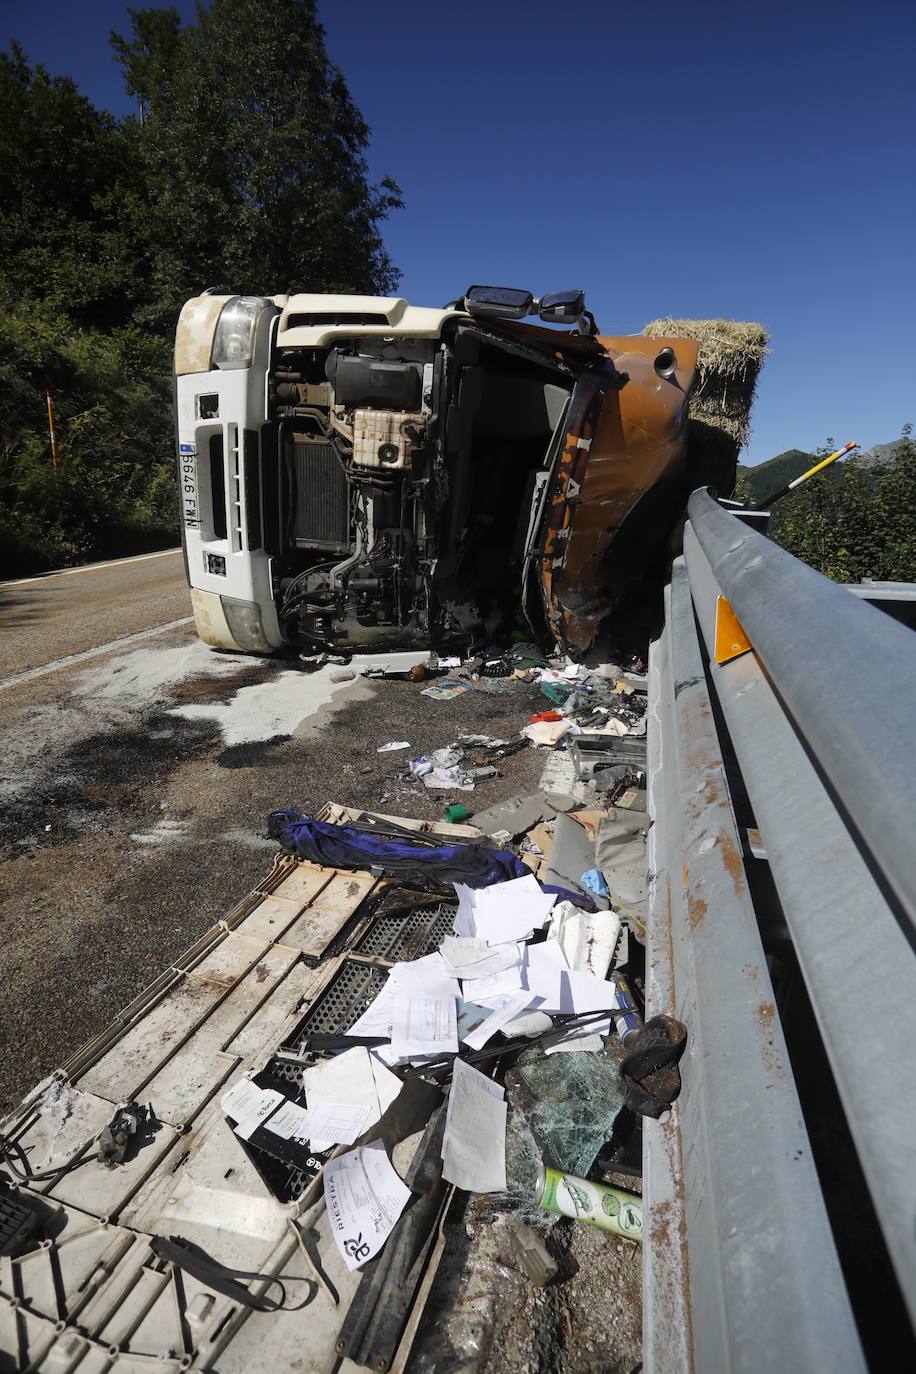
(417, 861)
(593, 879)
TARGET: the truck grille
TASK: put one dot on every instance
(321, 498)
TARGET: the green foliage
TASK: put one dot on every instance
(254, 155)
(857, 519)
(760, 481)
(243, 168)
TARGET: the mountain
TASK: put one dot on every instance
(785, 467)
(775, 472)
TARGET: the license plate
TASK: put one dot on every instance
(187, 475)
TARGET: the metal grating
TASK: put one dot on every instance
(408, 935)
(343, 1001)
(322, 518)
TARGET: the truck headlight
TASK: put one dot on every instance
(233, 339)
(244, 621)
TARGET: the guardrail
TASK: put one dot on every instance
(782, 784)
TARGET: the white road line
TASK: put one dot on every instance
(70, 660)
(90, 567)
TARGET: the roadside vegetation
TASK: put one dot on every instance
(243, 165)
(856, 519)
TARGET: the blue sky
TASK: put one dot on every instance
(709, 160)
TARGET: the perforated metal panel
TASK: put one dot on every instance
(343, 1001)
(408, 935)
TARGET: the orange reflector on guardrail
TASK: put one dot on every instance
(731, 641)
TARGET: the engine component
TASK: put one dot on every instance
(381, 440)
(359, 381)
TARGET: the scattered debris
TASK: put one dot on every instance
(447, 1008)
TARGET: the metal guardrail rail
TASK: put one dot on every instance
(782, 788)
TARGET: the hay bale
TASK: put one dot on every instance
(719, 409)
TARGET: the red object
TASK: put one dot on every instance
(546, 715)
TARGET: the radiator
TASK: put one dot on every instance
(321, 498)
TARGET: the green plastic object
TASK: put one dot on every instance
(456, 813)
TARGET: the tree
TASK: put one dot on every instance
(65, 188)
(244, 166)
(254, 155)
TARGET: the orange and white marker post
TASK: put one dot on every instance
(51, 433)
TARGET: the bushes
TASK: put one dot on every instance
(114, 490)
(855, 520)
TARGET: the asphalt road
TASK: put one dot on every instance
(44, 619)
(137, 768)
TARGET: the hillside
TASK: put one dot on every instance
(775, 472)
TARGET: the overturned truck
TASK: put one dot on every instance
(358, 472)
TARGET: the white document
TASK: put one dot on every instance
(463, 923)
(511, 1005)
(424, 1026)
(249, 1105)
(542, 974)
(335, 1121)
(347, 1079)
(427, 977)
(291, 1122)
(364, 1198)
(564, 989)
(376, 1019)
(471, 958)
(484, 990)
(474, 1144)
(528, 1024)
(587, 1037)
(510, 911)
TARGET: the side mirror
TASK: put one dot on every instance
(562, 307)
(506, 302)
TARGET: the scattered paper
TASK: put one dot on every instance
(587, 938)
(364, 1198)
(249, 1105)
(291, 1122)
(444, 691)
(470, 958)
(511, 1005)
(337, 1122)
(484, 990)
(528, 1024)
(470, 1016)
(376, 1019)
(588, 1037)
(393, 747)
(424, 1027)
(474, 1144)
(348, 1079)
(463, 923)
(429, 975)
(561, 988)
(503, 912)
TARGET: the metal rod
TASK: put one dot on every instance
(797, 482)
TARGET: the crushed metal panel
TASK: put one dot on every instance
(622, 439)
(96, 1188)
(302, 883)
(137, 1056)
(196, 1070)
(337, 903)
(267, 1029)
(270, 918)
